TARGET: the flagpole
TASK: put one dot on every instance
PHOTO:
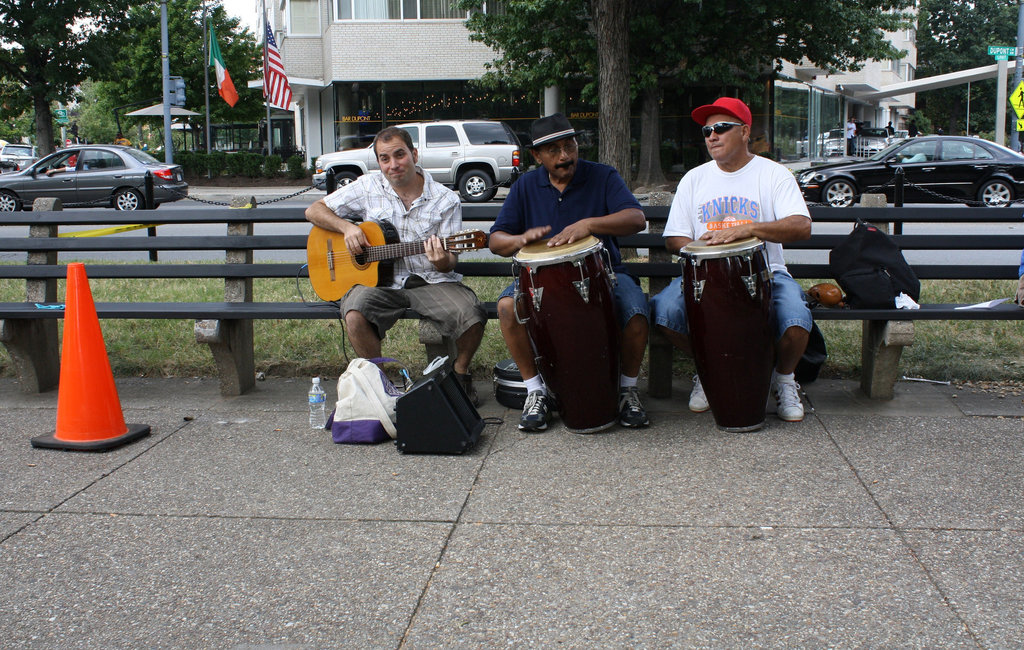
(206, 78)
(266, 91)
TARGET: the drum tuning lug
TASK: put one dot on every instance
(583, 288)
(608, 267)
(517, 296)
(537, 293)
(751, 282)
(698, 289)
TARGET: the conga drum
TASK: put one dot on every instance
(564, 297)
(728, 295)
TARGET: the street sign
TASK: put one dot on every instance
(61, 114)
(1017, 100)
(1001, 51)
(1020, 125)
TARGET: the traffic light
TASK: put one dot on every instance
(177, 97)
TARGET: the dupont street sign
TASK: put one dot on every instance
(1017, 100)
(61, 115)
(1002, 52)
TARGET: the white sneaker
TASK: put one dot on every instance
(788, 404)
(698, 400)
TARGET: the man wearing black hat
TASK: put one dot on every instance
(568, 199)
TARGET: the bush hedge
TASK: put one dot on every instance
(246, 165)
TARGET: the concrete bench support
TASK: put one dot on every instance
(32, 345)
(882, 344)
(231, 343)
(436, 343)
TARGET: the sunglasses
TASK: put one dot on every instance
(718, 127)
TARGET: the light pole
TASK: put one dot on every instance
(165, 68)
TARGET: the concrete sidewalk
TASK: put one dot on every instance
(868, 524)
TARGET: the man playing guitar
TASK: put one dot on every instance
(421, 209)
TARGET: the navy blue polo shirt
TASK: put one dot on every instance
(595, 190)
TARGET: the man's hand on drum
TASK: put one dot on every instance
(441, 259)
(571, 233)
(727, 235)
(533, 234)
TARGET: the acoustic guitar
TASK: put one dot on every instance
(333, 270)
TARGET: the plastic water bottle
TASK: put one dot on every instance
(317, 400)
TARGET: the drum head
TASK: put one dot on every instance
(539, 251)
(700, 249)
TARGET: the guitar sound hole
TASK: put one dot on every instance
(360, 259)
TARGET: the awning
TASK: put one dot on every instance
(157, 110)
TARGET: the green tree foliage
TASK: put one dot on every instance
(50, 48)
(954, 35)
(136, 74)
(726, 44)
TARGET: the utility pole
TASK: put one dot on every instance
(1018, 59)
(206, 74)
(165, 67)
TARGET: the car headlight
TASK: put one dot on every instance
(811, 177)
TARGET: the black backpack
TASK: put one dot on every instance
(871, 269)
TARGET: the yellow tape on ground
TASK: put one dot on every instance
(113, 230)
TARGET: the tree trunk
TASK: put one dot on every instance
(44, 124)
(611, 24)
(649, 172)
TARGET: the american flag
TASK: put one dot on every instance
(275, 82)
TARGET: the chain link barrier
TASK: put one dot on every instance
(181, 195)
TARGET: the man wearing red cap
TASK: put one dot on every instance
(735, 196)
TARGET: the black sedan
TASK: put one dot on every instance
(93, 175)
(937, 169)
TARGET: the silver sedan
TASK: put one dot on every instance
(93, 175)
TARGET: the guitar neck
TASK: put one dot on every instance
(395, 251)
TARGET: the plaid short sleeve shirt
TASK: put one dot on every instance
(438, 211)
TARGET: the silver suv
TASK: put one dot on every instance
(473, 156)
(16, 156)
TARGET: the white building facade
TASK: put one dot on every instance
(356, 66)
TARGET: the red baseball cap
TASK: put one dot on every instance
(726, 105)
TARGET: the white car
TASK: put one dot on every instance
(16, 156)
(473, 156)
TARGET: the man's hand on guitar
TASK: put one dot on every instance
(441, 259)
(355, 239)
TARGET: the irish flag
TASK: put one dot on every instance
(225, 86)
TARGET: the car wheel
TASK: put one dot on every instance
(9, 202)
(838, 194)
(129, 199)
(995, 194)
(344, 178)
(476, 186)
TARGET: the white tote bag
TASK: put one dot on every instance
(365, 411)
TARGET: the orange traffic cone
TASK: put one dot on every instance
(89, 416)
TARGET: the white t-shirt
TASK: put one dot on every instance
(708, 198)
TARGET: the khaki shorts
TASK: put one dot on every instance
(452, 305)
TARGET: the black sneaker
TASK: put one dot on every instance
(536, 412)
(631, 410)
(467, 385)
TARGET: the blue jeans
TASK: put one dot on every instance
(629, 298)
(669, 307)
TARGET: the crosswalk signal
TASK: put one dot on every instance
(177, 91)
